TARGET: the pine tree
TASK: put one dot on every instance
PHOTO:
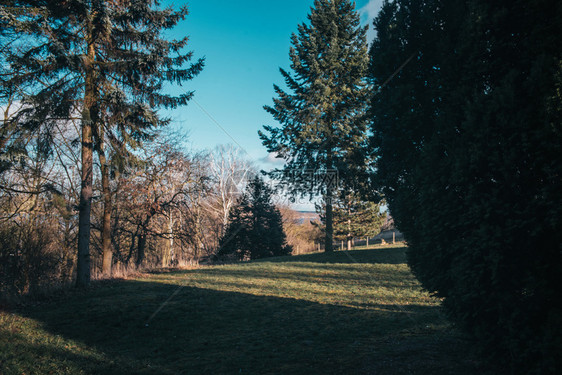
(255, 228)
(104, 62)
(322, 117)
(354, 217)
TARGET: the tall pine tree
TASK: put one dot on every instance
(103, 62)
(322, 117)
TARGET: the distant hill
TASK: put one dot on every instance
(307, 216)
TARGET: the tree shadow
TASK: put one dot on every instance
(158, 328)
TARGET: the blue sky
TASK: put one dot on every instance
(245, 43)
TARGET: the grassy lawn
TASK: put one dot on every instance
(356, 313)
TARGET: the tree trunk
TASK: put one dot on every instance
(132, 247)
(141, 248)
(168, 256)
(329, 246)
(349, 236)
(107, 251)
(83, 263)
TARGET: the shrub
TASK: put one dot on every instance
(32, 261)
(469, 144)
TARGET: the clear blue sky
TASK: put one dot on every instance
(245, 43)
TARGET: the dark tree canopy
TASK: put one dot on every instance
(255, 228)
(468, 137)
(49, 46)
(322, 115)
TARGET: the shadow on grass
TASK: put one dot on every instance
(202, 331)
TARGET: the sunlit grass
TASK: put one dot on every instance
(355, 313)
(365, 284)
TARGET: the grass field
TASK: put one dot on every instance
(347, 313)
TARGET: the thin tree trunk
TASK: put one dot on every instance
(349, 237)
(168, 256)
(197, 234)
(115, 238)
(329, 222)
(141, 248)
(83, 263)
(107, 251)
(132, 247)
(329, 246)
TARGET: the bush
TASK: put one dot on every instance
(469, 139)
(32, 261)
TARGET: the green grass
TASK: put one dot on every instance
(356, 313)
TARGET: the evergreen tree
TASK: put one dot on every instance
(104, 62)
(255, 228)
(353, 217)
(322, 117)
(468, 139)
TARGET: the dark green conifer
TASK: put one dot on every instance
(355, 218)
(468, 139)
(255, 228)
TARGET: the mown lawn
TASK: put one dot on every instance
(348, 313)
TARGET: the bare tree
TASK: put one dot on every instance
(230, 172)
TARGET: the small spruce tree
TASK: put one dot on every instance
(255, 228)
(353, 217)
